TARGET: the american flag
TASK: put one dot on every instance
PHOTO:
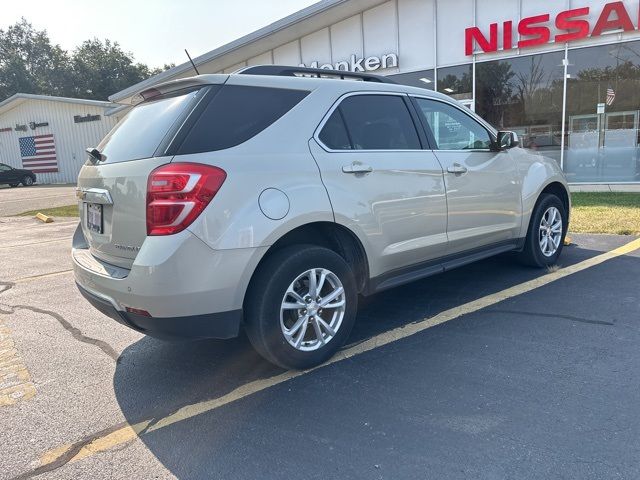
(611, 96)
(39, 153)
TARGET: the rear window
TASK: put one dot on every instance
(141, 131)
(235, 114)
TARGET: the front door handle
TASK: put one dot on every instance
(357, 168)
(457, 169)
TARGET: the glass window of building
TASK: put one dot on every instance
(603, 106)
(457, 82)
(524, 95)
(422, 79)
(453, 129)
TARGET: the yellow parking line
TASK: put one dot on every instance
(129, 432)
(15, 379)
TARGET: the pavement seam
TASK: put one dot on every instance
(50, 460)
(15, 245)
(42, 275)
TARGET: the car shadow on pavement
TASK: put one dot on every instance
(155, 378)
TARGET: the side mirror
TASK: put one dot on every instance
(506, 140)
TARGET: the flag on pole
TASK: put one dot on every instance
(611, 96)
(39, 153)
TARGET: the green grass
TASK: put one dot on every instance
(66, 211)
(605, 212)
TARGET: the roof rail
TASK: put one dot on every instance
(288, 71)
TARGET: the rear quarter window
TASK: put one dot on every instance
(235, 114)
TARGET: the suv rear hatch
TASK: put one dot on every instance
(113, 190)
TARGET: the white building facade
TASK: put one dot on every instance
(563, 74)
(49, 135)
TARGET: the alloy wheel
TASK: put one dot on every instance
(312, 309)
(550, 231)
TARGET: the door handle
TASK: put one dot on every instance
(457, 169)
(357, 168)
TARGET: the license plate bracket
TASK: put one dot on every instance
(94, 217)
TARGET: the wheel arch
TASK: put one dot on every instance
(330, 235)
(554, 187)
(560, 191)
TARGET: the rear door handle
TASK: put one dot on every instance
(357, 168)
(457, 169)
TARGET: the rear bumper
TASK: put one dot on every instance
(188, 289)
(214, 325)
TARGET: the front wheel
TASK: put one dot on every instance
(27, 181)
(547, 230)
(301, 306)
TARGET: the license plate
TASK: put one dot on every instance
(94, 217)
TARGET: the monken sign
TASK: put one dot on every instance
(360, 64)
(572, 25)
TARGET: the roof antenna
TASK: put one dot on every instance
(192, 64)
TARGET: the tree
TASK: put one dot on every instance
(103, 68)
(29, 63)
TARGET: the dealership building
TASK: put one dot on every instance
(563, 74)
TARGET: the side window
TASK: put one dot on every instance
(4, 168)
(379, 122)
(452, 128)
(334, 133)
(237, 113)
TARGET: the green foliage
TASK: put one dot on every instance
(30, 63)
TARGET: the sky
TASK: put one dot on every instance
(156, 32)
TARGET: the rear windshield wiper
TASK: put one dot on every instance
(95, 154)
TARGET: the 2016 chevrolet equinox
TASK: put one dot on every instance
(269, 200)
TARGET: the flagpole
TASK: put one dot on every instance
(565, 63)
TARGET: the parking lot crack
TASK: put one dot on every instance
(6, 286)
(69, 454)
(75, 332)
(552, 315)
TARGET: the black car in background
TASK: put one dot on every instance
(16, 176)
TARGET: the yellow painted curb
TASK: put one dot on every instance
(44, 218)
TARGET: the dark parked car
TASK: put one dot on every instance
(16, 176)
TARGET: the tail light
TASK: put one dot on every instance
(177, 193)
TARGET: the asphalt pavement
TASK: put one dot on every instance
(24, 199)
(543, 382)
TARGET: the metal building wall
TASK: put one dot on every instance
(71, 138)
(424, 33)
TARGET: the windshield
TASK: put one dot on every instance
(141, 131)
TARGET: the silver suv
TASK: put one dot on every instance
(270, 199)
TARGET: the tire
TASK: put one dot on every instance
(536, 253)
(27, 181)
(13, 185)
(270, 309)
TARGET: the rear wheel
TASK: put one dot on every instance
(27, 181)
(547, 230)
(301, 306)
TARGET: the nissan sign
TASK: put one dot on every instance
(572, 25)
